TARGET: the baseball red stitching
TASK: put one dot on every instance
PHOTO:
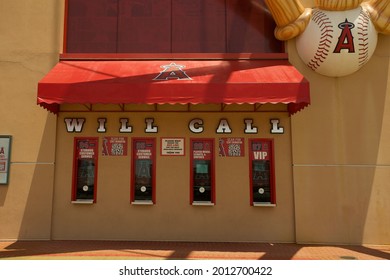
(326, 27)
(363, 23)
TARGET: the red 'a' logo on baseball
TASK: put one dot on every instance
(172, 71)
(345, 41)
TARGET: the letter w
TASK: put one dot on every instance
(74, 125)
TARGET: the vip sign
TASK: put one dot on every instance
(197, 126)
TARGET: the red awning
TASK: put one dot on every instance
(174, 82)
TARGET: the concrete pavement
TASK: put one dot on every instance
(111, 250)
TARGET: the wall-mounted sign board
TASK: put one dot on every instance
(231, 147)
(5, 154)
(114, 146)
(172, 147)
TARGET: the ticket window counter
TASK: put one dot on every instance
(202, 181)
(85, 170)
(262, 176)
(202, 172)
(143, 180)
(85, 179)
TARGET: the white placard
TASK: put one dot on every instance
(5, 151)
(172, 146)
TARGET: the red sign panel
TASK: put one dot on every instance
(231, 147)
(114, 146)
(87, 148)
(144, 149)
(261, 150)
(202, 150)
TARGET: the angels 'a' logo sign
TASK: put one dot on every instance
(346, 39)
(172, 71)
(337, 43)
(337, 37)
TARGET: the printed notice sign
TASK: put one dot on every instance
(172, 146)
(5, 149)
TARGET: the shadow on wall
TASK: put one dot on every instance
(36, 221)
(26, 202)
(38, 188)
(3, 194)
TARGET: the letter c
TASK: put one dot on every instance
(196, 126)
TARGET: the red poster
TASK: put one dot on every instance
(261, 150)
(114, 146)
(87, 148)
(231, 147)
(144, 149)
(202, 149)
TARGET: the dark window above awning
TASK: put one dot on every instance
(174, 82)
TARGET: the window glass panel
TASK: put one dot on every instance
(143, 170)
(202, 180)
(143, 179)
(261, 171)
(261, 181)
(202, 173)
(85, 169)
(85, 179)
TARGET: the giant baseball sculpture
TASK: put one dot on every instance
(337, 37)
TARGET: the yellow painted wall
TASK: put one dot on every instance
(172, 217)
(341, 154)
(30, 32)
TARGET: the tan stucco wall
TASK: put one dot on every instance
(341, 154)
(172, 217)
(29, 44)
(339, 182)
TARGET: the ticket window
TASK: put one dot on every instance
(202, 172)
(85, 170)
(262, 172)
(143, 171)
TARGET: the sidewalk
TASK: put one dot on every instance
(111, 250)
